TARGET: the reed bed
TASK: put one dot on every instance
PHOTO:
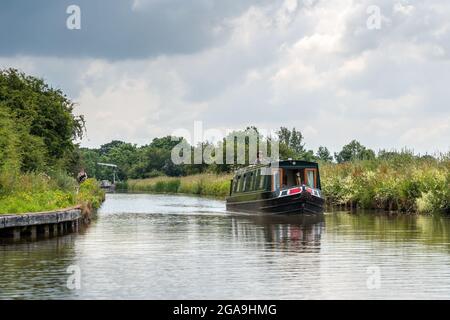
(411, 185)
(201, 184)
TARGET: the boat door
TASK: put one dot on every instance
(276, 179)
(311, 177)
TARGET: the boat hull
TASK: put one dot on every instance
(291, 204)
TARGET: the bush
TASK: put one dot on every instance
(400, 183)
(91, 193)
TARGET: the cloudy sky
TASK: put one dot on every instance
(144, 68)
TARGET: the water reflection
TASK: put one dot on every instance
(430, 230)
(290, 233)
(31, 269)
(178, 247)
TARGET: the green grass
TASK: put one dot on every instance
(202, 184)
(35, 202)
(23, 193)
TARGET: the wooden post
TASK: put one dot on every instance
(16, 233)
(33, 232)
(46, 230)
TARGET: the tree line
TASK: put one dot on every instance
(154, 159)
(38, 129)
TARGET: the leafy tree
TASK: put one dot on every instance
(89, 160)
(324, 154)
(107, 147)
(354, 151)
(43, 118)
(10, 155)
(167, 142)
(292, 146)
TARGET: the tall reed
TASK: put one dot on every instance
(202, 184)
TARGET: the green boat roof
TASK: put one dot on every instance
(281, 164)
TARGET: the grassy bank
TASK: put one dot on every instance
(38, 192)
(201, 184)
(402, 183)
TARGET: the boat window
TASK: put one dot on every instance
(236, 183)
(257, 178)
(276, 180)
(310, 178)
(292, 177)
(262, 180)
(248, 181)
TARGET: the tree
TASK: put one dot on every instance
(106, 148)
(292, 146)
(167, 142)
(324, 154)
(10, 155)
(43, 117)
(354, 151)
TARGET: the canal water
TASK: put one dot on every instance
(145, 246)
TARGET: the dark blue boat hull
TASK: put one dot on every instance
(292, 204)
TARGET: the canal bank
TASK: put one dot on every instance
(52, 223)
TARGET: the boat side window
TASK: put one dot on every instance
(257, 178)
(243, 183)
(276, 180)
(252, 181)
(236, 183)
(310, 177)
(248, 181)
(262, 180)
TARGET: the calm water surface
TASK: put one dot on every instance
(178, 247)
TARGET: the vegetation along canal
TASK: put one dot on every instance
(186, 247)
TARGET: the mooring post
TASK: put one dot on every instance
(16, 233)
(46, 230)
(33, 232)
(55, 229)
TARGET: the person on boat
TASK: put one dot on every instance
(82, 176)
(298, 179)
(259, 157)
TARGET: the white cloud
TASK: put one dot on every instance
(311, 65)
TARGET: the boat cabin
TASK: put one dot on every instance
(270, 177)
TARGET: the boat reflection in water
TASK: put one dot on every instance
(290, 232)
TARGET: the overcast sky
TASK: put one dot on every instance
(138, 69)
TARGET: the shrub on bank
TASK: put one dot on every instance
(35, 192)
(90, 193)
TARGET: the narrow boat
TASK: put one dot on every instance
(283, 187)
